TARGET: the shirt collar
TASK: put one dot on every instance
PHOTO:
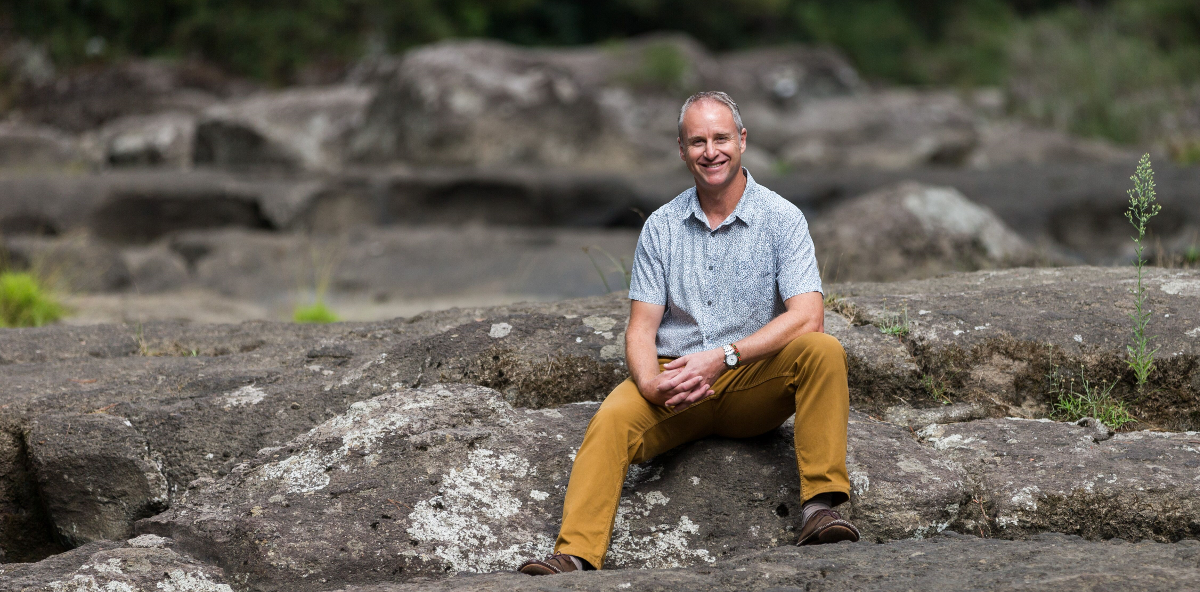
(746, 210)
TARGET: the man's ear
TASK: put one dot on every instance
(743, 135)
(682, 156)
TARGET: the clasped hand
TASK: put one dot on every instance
(685, 380)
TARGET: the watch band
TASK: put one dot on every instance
(732, 349)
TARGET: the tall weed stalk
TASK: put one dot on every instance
(1142, 207)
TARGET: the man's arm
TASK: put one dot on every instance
(805, 314)
(641, 355)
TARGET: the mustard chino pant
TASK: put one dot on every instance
(807, 377)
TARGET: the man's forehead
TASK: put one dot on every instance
(709, 111)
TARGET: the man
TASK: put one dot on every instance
(724, 338)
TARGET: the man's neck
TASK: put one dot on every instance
(718, 203)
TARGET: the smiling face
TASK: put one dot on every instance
(711, 144)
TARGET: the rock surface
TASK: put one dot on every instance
(143, 564)
(96, 476)
(1001, 337)
(945, 563)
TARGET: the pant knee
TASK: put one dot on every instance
(819, 346)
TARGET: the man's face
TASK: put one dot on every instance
(711, 144)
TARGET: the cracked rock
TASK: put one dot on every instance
(96, 476)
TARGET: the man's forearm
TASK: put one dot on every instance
(641, 355)
(807, 315)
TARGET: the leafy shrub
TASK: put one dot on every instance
(24, 302)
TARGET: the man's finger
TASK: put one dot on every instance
(671, 382)
(695, 397)
(685, 387)
(676, 363)
(685, 400)
(681, 394)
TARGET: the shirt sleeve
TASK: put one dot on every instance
(797, 265)
(648, 282)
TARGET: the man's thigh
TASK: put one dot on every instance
(650, 429)
(759, 397)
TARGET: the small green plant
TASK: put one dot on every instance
(324, 263)
(936, 386)
(1142, 207)
(316, 312)
(896, 324)
(618, 265)
(25, 302)
(1191, 255)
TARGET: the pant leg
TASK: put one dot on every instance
(808, 378)
(625, 429)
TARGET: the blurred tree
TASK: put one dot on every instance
(915, 41)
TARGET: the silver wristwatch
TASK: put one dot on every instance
(733, 357)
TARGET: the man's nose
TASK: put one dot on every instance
(710, 150)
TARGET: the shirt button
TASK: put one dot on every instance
(710, 268)
(710, 302)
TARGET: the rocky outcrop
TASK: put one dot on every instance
(911, 231)
(484, 103)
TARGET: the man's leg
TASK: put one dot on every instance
(808, 378)
(626, 429)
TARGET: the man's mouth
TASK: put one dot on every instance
(716, 165)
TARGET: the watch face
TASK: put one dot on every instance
(731, 360)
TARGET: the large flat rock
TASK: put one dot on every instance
(209, 398)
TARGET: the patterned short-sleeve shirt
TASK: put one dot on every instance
(722, 284)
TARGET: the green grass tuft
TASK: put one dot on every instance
(1091, 401)
(1077, 397)
(895, 324)
(318, 312)
(24, 302)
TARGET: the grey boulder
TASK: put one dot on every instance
(298, 129)
(911, 230)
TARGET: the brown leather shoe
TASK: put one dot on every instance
(554, 564)
(827, 526)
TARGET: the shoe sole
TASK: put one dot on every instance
(536, 570)
(834, 533)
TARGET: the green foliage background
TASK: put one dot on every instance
(1093, 67)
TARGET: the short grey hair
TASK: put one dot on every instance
(711, 95)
